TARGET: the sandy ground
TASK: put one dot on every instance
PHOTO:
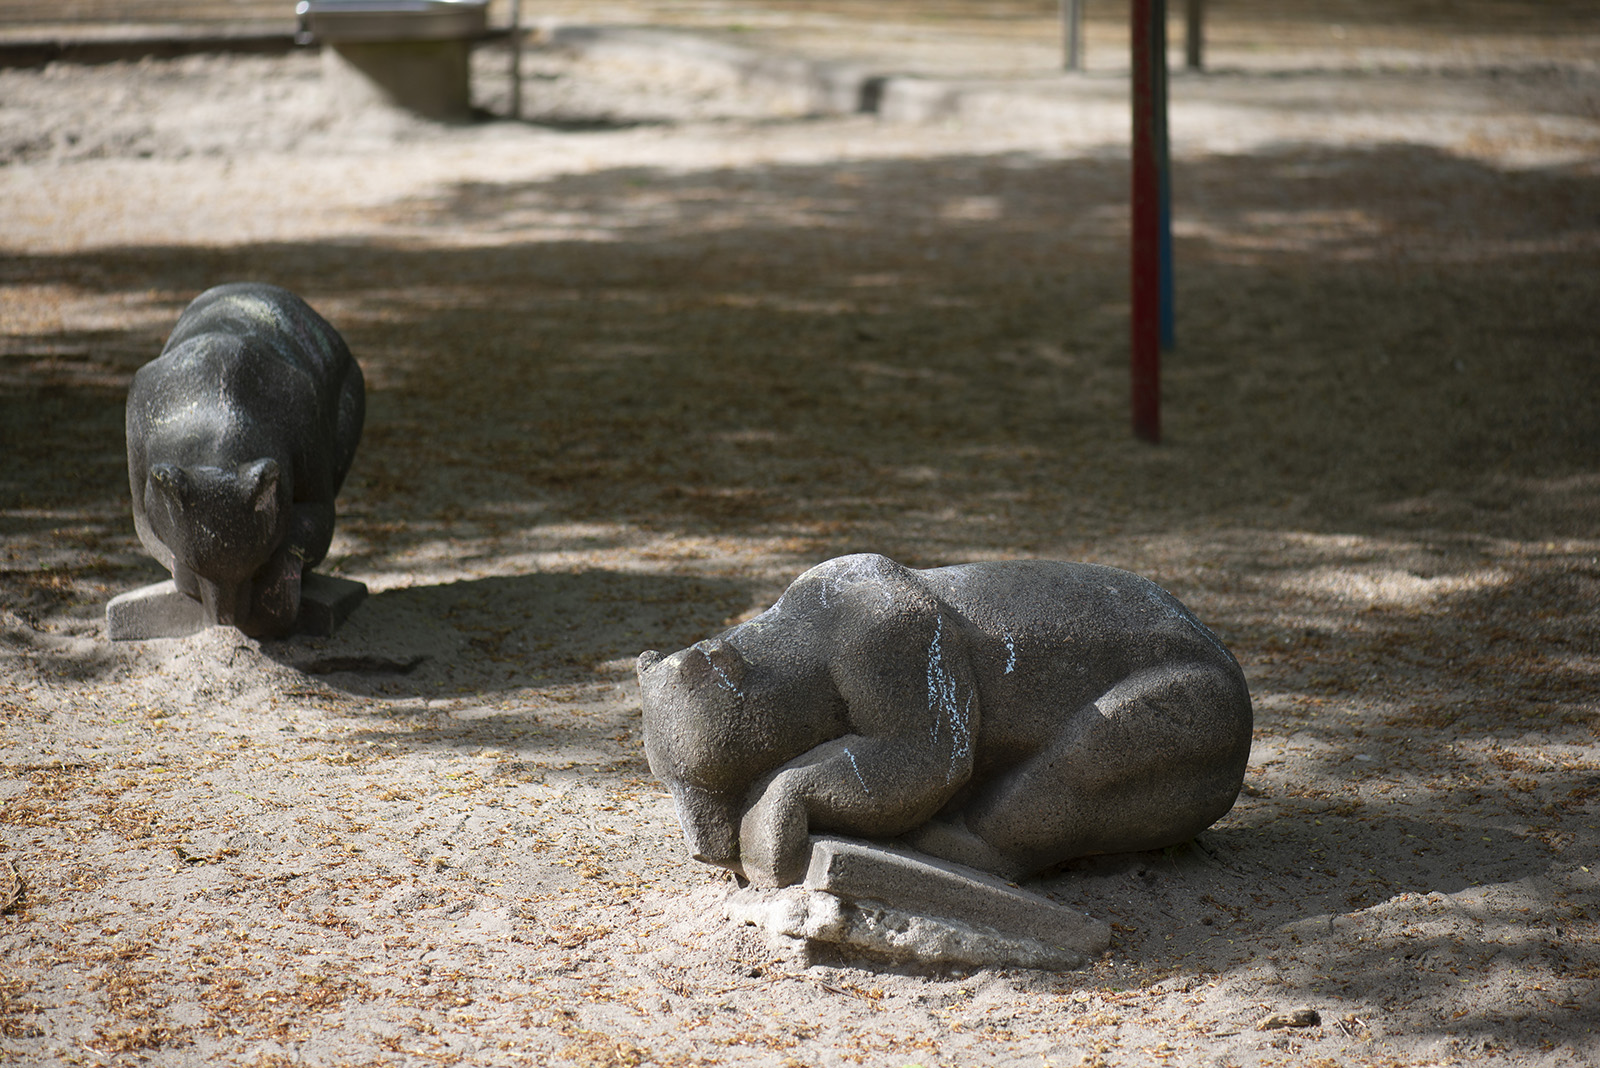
(636, 362)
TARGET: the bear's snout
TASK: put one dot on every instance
(710, 822)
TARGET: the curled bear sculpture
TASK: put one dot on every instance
(1009, 716)
(239, 436)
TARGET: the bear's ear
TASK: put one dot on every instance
(172, 481)
(647, 660)
(717, 662)
(261, 484)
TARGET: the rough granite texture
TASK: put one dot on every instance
(159, 610)
(1008, 715)
(239, 436)
(879, 901)
(865, 872)
(821, 926)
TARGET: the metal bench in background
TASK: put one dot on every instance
(414, 53)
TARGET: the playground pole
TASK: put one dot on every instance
(1194, 34)
(1072, 33)
(1158, 25)
(516, 59)
(1145, 359)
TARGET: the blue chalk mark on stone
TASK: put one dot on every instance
(941, 688)
(725, 682)
(945, 703)
(857, 769)
(1011, 654)
(960, 736)
(717, 674)
(847, 576)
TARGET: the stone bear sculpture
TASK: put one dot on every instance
(1009, 716)
(239, 436)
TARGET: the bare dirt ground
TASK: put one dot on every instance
(635, 362)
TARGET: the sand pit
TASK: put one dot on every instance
(635, 362)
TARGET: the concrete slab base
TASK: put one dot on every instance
(903, 907)
(160, 610)
(154, 611)
(427, 78)
(325, 602)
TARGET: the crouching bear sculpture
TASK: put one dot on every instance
(239, 436)
(1009, 716)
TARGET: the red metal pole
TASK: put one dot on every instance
(1146, 243)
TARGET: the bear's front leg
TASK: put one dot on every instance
(310, 531)
(275, 596)
(775, 833)
(861, 786)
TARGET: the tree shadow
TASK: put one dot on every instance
(792, 347)
(483, 636)
(925, 358)
(1359, 915)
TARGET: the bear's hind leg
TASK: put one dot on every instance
(1151, 763)
(955, 841)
